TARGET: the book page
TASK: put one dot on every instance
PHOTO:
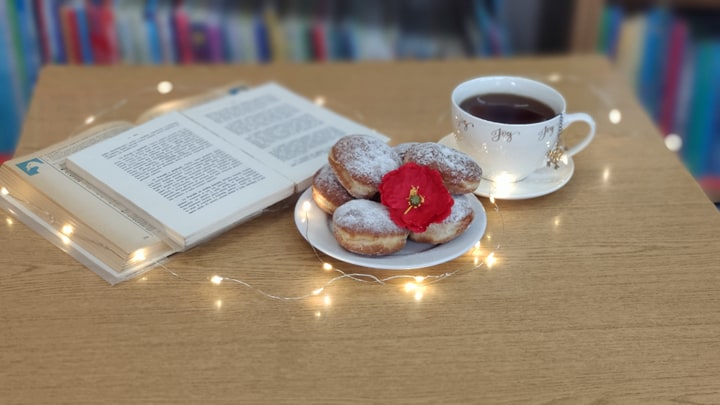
(40, 185)
(187, 181)
(278, 127)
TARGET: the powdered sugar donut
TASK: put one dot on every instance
(401, 148)
(460, 173)
(452, 226)
(365, 227)
(327, 192)
(360, 162)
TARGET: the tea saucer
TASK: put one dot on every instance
(541, 182)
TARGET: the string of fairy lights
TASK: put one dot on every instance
(483, 254)
(411, 283)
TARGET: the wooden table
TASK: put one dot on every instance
(606, 291)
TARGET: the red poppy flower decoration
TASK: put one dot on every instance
(415, 196)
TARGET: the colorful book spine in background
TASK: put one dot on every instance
(163, 21)
(50, 10)
(712, 148)
(152, 32)
(414, 20)
(232, 33)
(200, 41)
(102, 33)
(181, 33)
(629, 47)
(68, 22)
(319, 31)
(10, 96)
(16, 47)
(685, 91)
(83, 34)
(650, 72)
(28, 51)
(276, 34)
(205, 32)
(709, 177)
(493, 36)
(43, 24)
(676, 53)
(262, 37)
(610, 29)
(372, 37)
(215, 32)
(296, 23)
(702, 108)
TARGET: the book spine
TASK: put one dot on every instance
(651, 72)
(10, 99)
(685, 91)
(262, 38)
(712, 150)
(52, 11)
(96, 28)
(673, 71)
(42, 24)
(14, 15)
(70, 34)
(215, 41)
(152, 31)
(83, 34)
(166, 36)
(29, 51)
(181, 31)
(276, 35)
(709, 179)
(615, 19)
(701, 109)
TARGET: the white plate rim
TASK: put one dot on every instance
(315, 226)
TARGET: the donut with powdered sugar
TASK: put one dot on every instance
(452, 226)
(364, 227)
(327, 192)
(360, 162)
(460, 173)
(401, 148)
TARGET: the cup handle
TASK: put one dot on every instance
(571, 118)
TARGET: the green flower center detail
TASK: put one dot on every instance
(414, 199)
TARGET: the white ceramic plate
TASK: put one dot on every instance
(541, 182)
(316, 227)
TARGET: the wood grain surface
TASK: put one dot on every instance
(604, 292)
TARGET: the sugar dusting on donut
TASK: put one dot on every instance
(327, 192)
(365, 227)
(452, 226)
(459, 171)
(360, 162)
(366, 216)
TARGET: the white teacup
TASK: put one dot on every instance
(507, 147)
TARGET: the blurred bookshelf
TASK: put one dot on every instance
(670, 53)
(34, 33)
(667, 49)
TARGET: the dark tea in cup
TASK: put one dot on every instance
(507, 108)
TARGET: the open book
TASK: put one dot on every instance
(119, 197)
